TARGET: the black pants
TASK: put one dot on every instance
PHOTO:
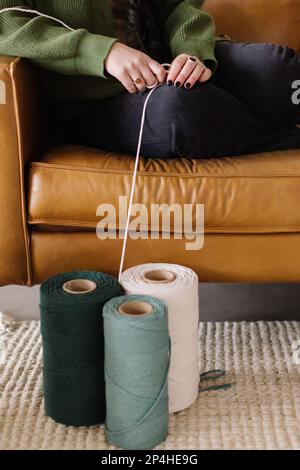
(246, 108)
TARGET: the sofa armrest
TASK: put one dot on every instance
(20, 136)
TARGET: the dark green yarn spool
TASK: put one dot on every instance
(73, 347)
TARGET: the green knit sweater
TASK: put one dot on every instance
(71, 63)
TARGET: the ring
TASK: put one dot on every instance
(138, 81)
(150, 87)
(193, 58)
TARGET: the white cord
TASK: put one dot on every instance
(38, 13)
(135, 172)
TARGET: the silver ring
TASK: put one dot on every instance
(193, 58)
(150, 87)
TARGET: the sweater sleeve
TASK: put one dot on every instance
(189, 30)
(51, 45)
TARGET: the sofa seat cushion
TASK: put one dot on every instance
(252, 194)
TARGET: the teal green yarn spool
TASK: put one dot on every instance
(136, 371)
(73, 345)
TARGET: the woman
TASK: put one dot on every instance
(219, 98)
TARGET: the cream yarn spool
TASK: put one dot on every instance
(177, 286)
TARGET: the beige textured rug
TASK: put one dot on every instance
(261, 411)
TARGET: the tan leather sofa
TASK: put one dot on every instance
(48, 200)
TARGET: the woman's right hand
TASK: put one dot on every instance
(127, 65)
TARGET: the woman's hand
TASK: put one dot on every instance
(133, 68)
(187, 70)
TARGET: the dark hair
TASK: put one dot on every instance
(143, 30)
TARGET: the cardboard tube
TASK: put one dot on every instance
(79, 286)
(135, 308)
(159, 276)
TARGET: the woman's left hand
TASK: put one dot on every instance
(186, 70)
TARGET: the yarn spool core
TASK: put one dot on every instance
(79, 286)
(159, 276)
(135, 308)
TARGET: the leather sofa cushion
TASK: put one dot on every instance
(252, 194)
(224, 258)
(276, 21)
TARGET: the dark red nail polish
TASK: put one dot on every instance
(177, 84)
(169, 82)
(187, 85)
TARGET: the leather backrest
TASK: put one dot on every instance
(275, 21)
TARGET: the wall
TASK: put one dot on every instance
(218, 302)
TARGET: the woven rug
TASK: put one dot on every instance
(260, 411)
